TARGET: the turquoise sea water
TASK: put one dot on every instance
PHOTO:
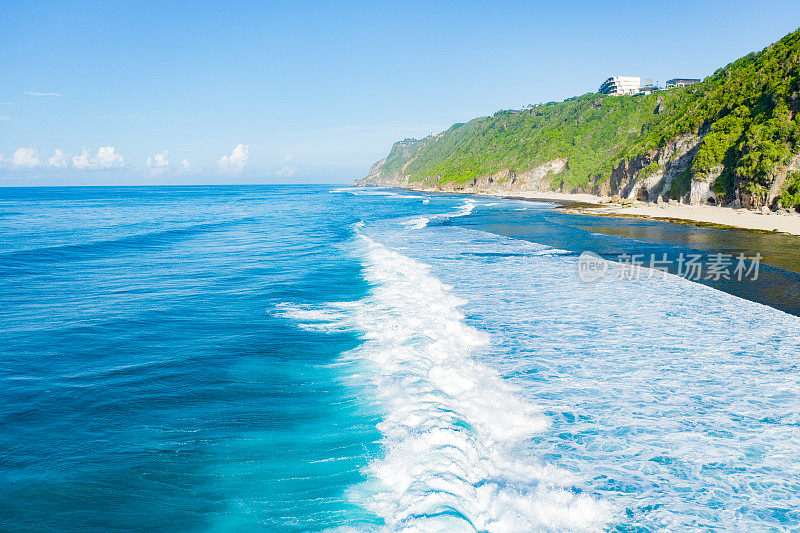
(316, 358)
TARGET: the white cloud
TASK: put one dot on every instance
(106, 158)
(82, 161)
(159, 160)
(236, 161)
(34, 93)
(59, 159)
(26, 156)
(184, 167)
(286, 170)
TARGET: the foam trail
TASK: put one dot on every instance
(463, 210)
(359, 191)
(456, 436)
(421, 222)
(416, 223)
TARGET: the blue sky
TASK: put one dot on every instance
(252, 92)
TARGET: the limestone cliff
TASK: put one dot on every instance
(734, 138)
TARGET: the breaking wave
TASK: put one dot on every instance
(462, 210)
(456, 437)
(360, 191)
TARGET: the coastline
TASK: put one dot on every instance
(700, 215)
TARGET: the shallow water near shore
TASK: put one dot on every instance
(312, 358)
(613, 238)
(776, 249)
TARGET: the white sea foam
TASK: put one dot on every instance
(416, 223)
(332, 318)
(675, 401)
(461, 210)
(360, 191)
(456, 435)
(672, 400)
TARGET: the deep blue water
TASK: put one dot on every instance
(312, 358)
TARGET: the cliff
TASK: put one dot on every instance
(734, 138)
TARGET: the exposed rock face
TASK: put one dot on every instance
(780, 178)
(535, 179)
(770, 197)
(649, 177)
(701, 193)
(642, 178)
(375, 176)
(378, 174)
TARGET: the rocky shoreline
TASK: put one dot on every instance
(763, 220)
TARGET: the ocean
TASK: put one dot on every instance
(324, 358)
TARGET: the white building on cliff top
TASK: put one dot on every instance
(621, 85)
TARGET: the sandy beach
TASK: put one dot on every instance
(704, 214)
(590, 204)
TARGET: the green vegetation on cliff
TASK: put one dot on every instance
(745, 115)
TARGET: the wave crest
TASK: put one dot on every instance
(457, 438)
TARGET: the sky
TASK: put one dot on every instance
(140, 93)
